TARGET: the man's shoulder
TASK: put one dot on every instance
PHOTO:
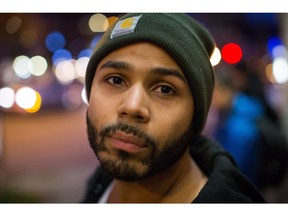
(226, 184)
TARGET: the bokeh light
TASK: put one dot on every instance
(37, 104)
(65, 72)
(39, 65)
(28, 38)
(84, 96)
(269, 73)
(21, 66)
(7, 71)
(13, 24)
(24, 67)
(216, 57)
(85, 53)
(280, 70)
(98, 23)
(80, 66)
(55, 41)
(231, 53)
(272, 43)
(111, 20)
(61, 55)
(279, 51)
(7, 97)
(25, 97)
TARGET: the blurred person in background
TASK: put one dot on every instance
(247, 126)
(149, 84)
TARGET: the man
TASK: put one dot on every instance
(149, 84)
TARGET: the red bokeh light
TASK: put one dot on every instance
(231, 53)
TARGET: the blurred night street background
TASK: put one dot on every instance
(44, 153)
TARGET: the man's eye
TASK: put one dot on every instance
(165, 90)
(115, 80)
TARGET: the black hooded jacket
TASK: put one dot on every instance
(226, 184)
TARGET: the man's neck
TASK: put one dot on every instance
(178, 184)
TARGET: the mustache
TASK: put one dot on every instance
(129, 129)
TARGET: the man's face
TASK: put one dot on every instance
(140, 112)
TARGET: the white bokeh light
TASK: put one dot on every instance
(280, 70)
(38, 65)
(26, 97)
(65, 71)
(216, 56)
(7, 97)
(81, 65)
(21, 66)
(84, 96)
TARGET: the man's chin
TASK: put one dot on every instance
(122, 169)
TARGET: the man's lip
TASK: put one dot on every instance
(128, 138)
(127, 142)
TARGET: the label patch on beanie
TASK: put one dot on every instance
(125, 26)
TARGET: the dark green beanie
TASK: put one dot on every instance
(187, 41)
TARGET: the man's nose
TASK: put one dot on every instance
(135, 105)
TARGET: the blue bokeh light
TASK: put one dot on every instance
(55, 41)
(85, 53)
(272, 43)
(61, 55)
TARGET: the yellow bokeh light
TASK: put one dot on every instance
(111, 20)
(98, 23)
(37, 104)
(269, 73)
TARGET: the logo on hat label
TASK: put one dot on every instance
(125, 26)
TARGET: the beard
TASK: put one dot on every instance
(130, 167)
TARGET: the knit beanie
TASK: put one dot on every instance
(187, 42)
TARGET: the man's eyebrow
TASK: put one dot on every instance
(169, 72)
(119, 65)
